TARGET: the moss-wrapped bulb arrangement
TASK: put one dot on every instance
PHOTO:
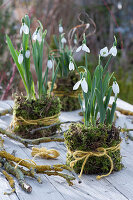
(68, 98)
(93, 147)
(38, 108)
(89, 139)
(32, 114)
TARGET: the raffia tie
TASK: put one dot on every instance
(82, 155)
(44, 153)
(45, 121)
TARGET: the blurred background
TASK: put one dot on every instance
(108, 18)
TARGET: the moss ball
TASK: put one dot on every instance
(82, 138)
(32, 110)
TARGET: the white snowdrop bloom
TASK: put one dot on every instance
(115, 88)
(83, 47)
(50, 64)
(71, 66)
(75, 41)
(20, 59)
(24, 28)
(27, 54)
(36, 36)
(113, 51)
(63, 40)
(83, 85)
(76, 86)
(60, 29)
(104, 52)
(87, 25)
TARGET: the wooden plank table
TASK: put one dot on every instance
(117, 186)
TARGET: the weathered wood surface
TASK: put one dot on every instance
(117, 186)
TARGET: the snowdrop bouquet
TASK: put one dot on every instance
(22, 59)
(97, 89)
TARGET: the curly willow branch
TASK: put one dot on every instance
(77, 29)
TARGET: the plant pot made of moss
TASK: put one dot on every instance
(88, 139)
(64, 90)
(34, 110)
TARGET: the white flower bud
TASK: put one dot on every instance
(60, 29)
(84, 85)
(27, 54)
(20, 59)
(50, 64)
(24, 28)
(115, 88)
(113, 51)
(71, 66)
(63, 40)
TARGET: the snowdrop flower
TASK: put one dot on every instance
(75, 41)
(83, 47)
(27, 54)
(83, 84)
(113, 51)
(50, 64)
(71, 66)
(60, 29)
(20, 58)
(24, 28)
(104, 52)
(63, 40)
(115, 88)
(36, 36)
(87, 25)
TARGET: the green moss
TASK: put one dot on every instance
(66, 85)
(79, 137)
(32, 110)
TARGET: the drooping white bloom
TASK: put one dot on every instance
(83, 85)
(113, 51)
(76, 86)
(60, 29)
(27, 54)
(87, 25)
(24, 28)
(71, 66)
(20, 59)
(83, 47)
(63, 40)
(36, 36)
(104, 52)
(115, 88)
(75, 41)
(50, 64)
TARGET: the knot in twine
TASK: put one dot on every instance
(101, 151)
(44, 153)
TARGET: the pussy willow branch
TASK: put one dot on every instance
(29, 141)
(46, 127)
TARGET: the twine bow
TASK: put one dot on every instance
(44, 153)
(101, 151)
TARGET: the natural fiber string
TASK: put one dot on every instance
(69, 94)
(45, 121)
(44, 153)
(101, 151)
(24, 160)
